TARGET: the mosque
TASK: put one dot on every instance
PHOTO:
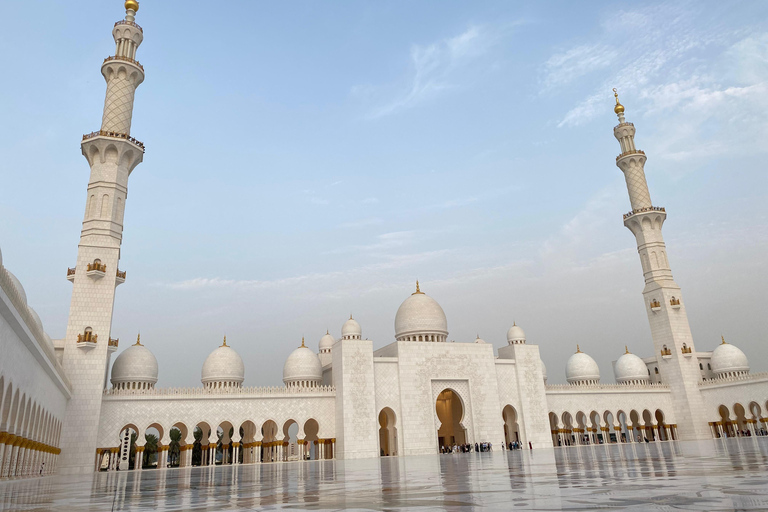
(64, 411)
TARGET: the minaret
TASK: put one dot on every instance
(664, 303)
(112, 154)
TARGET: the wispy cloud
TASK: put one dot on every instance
(562, 68)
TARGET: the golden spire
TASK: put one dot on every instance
(302, 342)
(138, 340)
(619, 108)
(723, 338)
(513, 323)
(132, 5)
(578, 350)
(418, 291)
(626, 350)
(326, 332)
(225, 342)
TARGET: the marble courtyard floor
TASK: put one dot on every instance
(712, 475)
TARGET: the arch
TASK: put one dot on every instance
(311, 429)
(555, 429)
(611, 433)
(247, 453)
(596, 426)
(648, 426)
(290, 440)
(177, 446)
(661, 426)
(269, 432)
(91, 206)
(450, 413)
(201, 453)
(754, 409)
(224, 451)
(741, 419)
(581, 422)
(511, 426)
(568, 428)
(387, 432)
(636, 426)
(725, 421)
(153, 436)
(104, 206)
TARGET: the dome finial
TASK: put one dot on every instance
(225, 341)
(418, 290)
(626, 349)
(138, 340)
(327, 332)
(302, 341)
(619, 108)
(723, 338)
(578, 350)
(132, 5)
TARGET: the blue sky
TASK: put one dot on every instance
(308, 160)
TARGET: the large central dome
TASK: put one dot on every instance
(420, 318)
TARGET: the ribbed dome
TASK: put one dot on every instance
(418, 315)
(581, 369)
(629, 368)
(136, 364)
(18, 286)
(223, 366)
(351, 330)
(727, 358)
(544, 370)
(515, 335)
(326, 342)
(302, 368)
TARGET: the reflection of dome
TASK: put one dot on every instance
(480, 340)
(18, 286)
(223, 368)
(134, 368)
(326, 342)
(351, 330)
(630, 369)
(728, 360)
(420, 318)
(544, 370)
(302, 368)
(581, 369)
(515, 335)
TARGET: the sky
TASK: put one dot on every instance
(310, 160)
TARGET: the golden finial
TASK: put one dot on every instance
(578, 350)
(723, 338)
(350, 316)
(133, 5)
(225, 342)
(619, 108)
(626, 350)
(302, 341)
(418, 290)
(138, 340)
(326, 332)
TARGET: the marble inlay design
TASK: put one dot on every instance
(707, 475)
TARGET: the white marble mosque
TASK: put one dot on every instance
(64, 411)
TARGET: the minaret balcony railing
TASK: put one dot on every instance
(666, 352)
(132, 61)
(686, 350)
(655, 305)
(113, 342)
(674, 303)
(115, 135)
(643, 210)
(630, 152)
(131, 23)
(101, 267)
(120, 276)
(71, 274)
(87, 337)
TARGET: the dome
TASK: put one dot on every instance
(326, 342)
(1, 257)
(18, 286)
(135, 364)
(224, 366)
(727, 358)
(480, 340)
(351, 330)
(302, 368)
(420, 314)
(515, 334)
(581, 369)
(36, 317)
(544, 370)
(630, 369)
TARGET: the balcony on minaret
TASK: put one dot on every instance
(113, 344)
(120, 277)
(630, 152)
(71, 274)
(87, 339)
(674, 303)
(114, 135)
(686, 350)
(655, 305)
(643, 210)
(666, 353)
(96, 270)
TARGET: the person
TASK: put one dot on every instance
(477, 448)
(530, 446)
(42, 467)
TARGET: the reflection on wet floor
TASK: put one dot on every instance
(718, 475)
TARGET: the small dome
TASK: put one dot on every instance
(581, 369)
(326, 342)
(727, 358)
(18, 286)
(302, 368)
(134, 364)
(630, 368)
(223, 365)
(351, 330)
(544, 370)
(36, 317)
(420, 314)
(480, 340)
(515, 335)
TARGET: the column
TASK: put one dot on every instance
(333, 448)
(138, 461)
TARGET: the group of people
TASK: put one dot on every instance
(466, 448)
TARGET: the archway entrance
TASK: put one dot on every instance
(511, 429)
(450, 412)
(387, 432)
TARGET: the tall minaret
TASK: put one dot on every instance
(112, 154)
(664, 303)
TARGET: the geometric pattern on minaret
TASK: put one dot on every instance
(670, 330)
(112, 154)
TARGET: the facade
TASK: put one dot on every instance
(62, 409)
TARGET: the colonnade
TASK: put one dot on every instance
(20, 456)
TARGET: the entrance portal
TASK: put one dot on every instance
(450, 412)
(511, 428)
(387, 432)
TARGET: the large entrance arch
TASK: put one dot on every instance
(387, 432)
(511, 427)
(450, 412)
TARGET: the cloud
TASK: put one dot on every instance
(563, 68)
(435, 68)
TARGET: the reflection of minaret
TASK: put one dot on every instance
(664, 304)
(112, 154)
